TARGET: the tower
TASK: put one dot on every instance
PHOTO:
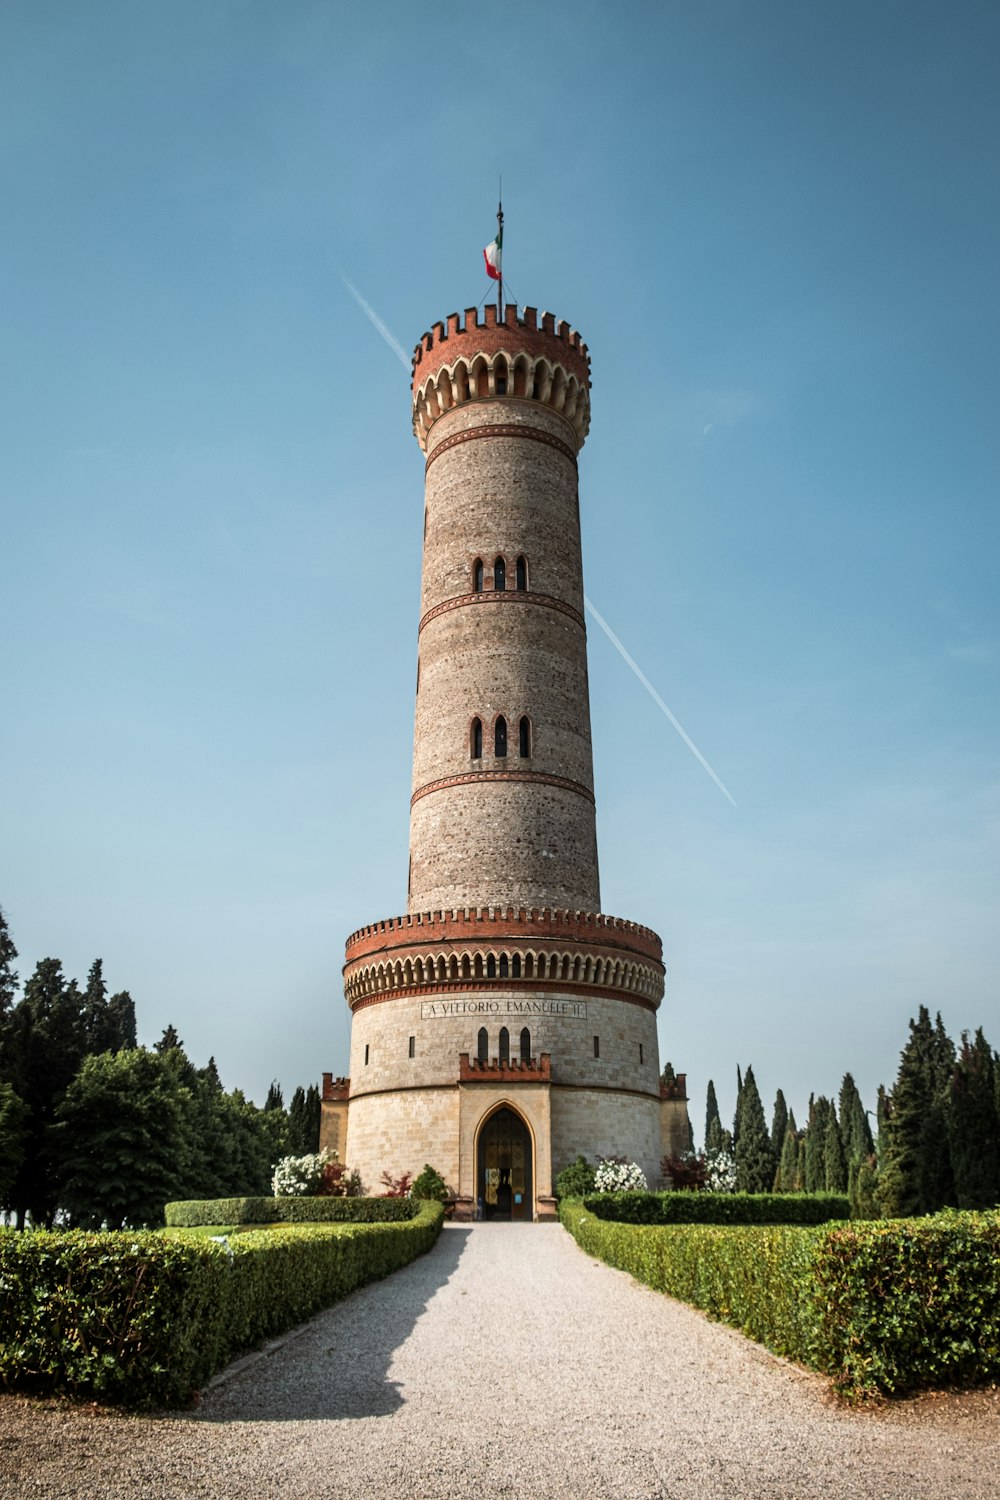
(503, 1026)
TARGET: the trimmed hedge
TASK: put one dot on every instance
(719, 1208)
(145, 1319)
(191, 1213)
(884, 1308)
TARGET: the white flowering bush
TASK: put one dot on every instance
(619, 1177)
(300, 1176)
(720, 1172)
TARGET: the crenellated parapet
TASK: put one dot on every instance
(492, 923)
(523, 358)
(496, 949)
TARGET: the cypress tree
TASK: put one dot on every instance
(297, 1128)
(835, 1162)
(787, 1179)
(915, 1175)
(313, 1117)
(855, 1132)
(275, 1098)
(815, 1165)
(974, 1125)
(779, 1124)
(754, 1156)
(711, 1112)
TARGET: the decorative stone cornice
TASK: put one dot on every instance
(534, 1070)
(502, 430)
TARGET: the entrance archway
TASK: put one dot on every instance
(505, 1167)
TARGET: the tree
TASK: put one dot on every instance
(314, 1116)
(855, 1132)
(711, 1112)
(754, 1157)
(815, 1144)
(779, 1124)
(125, 1126)
(168, 1041)
(43, 1045)
(8, 975)
(297, 1135)
(835, 1162)
(13, 1133)
(275, 1099)
(974, 1125)
(915, 1174)
(789, 1178)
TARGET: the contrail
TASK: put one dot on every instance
(650, 689)
(377, 323)
(401, 355)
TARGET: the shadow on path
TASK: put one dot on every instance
(338, 1366)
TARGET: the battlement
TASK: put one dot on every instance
(510, 1070)
(489, 922)
(521, 357)
(335, 1089)
(469, 323)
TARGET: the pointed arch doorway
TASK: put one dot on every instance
(505, 1167)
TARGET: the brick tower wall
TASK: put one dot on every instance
(501, 480)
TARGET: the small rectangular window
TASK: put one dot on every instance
(366, 1054)
(413, 1046)
(597, 1046)
(640, 1054)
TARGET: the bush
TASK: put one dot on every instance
(719, 1208)
(191, 1212)
(887, 1307)
(576, 1180)
(143, 1319)
(616, 1175)
(430, 1185)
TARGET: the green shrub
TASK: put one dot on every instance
(576, 1180)
(145, 1319)
(429, 1185)
(189, 1213)
(719, 1208)
(887, 1307)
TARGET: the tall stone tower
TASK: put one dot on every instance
(504, 1025)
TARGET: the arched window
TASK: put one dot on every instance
(483, 1045)
(524, 737)
(504, 966)
(515, 966)
(500, 378)
(525, 1045)
(499, 574)
(521, 571)
(476, 739)
(504, 1045)
(491, 966)
(477, 576)
(500, 737)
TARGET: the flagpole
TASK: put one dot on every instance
(500, 277)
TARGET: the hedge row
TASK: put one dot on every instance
(719, 1208)
(192, 1213)
(884, 1308)
(145, 1319)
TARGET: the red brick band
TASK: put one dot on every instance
(503, 596)
(503, 429)
(471, 777)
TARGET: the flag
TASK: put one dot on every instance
(492, 255)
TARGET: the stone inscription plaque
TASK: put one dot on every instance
(571, 1010)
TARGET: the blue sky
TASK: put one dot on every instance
(775, 225)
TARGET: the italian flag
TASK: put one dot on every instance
(492, 255)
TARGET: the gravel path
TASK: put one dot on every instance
(508, 1363)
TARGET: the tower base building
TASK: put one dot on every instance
(503, 1026)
